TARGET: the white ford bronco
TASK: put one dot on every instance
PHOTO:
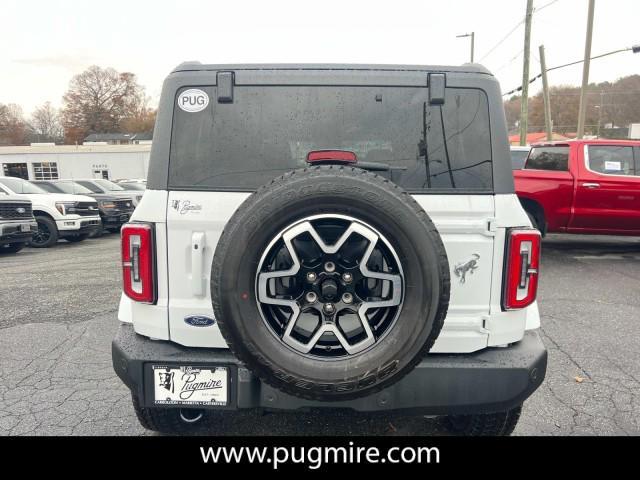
(330, 236)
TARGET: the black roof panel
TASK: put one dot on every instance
(466, 68)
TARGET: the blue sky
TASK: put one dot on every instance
(44, 43)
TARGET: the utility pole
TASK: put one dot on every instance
(600, 107)
(585, 70)
(473, 38)
(545, 95)
(524, 99)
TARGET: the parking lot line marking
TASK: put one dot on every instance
(606, 257)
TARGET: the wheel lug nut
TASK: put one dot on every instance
(347, 297)
(347, 277)
(329, 308)
(311, 297)
(330, 267)
(311, 277)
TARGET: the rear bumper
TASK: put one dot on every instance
(493, 380)
(11, 231)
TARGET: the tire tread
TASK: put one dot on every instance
(247, 354)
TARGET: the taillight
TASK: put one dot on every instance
(331, 156)
(522, 266)
(138, 262)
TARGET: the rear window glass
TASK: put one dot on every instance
(269, 130)
(518, 158)
(548, 158)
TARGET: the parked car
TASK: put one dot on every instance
(101, 185)
(519, 156)
(132, 180)
(582, 186)
(133, 185)
(17, 224)
(72, 217)
(383, 238)
(114, 211)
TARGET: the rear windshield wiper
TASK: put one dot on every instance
(377, 166)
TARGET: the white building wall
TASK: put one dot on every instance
(118, 166)
(120, 161)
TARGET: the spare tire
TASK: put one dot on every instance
(330, 283)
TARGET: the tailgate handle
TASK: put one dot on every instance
(197, 255)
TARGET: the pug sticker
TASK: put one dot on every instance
(193, 100)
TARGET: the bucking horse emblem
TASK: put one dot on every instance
(466, 266)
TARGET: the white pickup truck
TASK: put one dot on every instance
(72, 217)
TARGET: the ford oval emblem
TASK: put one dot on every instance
(199, 321)
(20, 210)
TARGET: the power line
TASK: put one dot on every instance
(517, 89)
(515, 27)
(538, 9)
(592, 58)
(502, 40)
(506, 64)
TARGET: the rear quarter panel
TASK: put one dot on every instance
(152, 320)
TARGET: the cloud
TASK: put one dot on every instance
(63, 61)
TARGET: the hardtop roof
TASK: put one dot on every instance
(195, 66)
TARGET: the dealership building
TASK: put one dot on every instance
(48, 161)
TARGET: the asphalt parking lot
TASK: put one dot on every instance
(58, 316)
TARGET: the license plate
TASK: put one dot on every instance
(190, 385)
(25, 227)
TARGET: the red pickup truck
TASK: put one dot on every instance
(582, 186)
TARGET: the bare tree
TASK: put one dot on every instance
(46, 124)
(616, 103)
(512, 112)
(143, 121)
(13, 128)
(98, 100)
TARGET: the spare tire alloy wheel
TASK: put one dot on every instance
(319, 305)
(330, 283)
